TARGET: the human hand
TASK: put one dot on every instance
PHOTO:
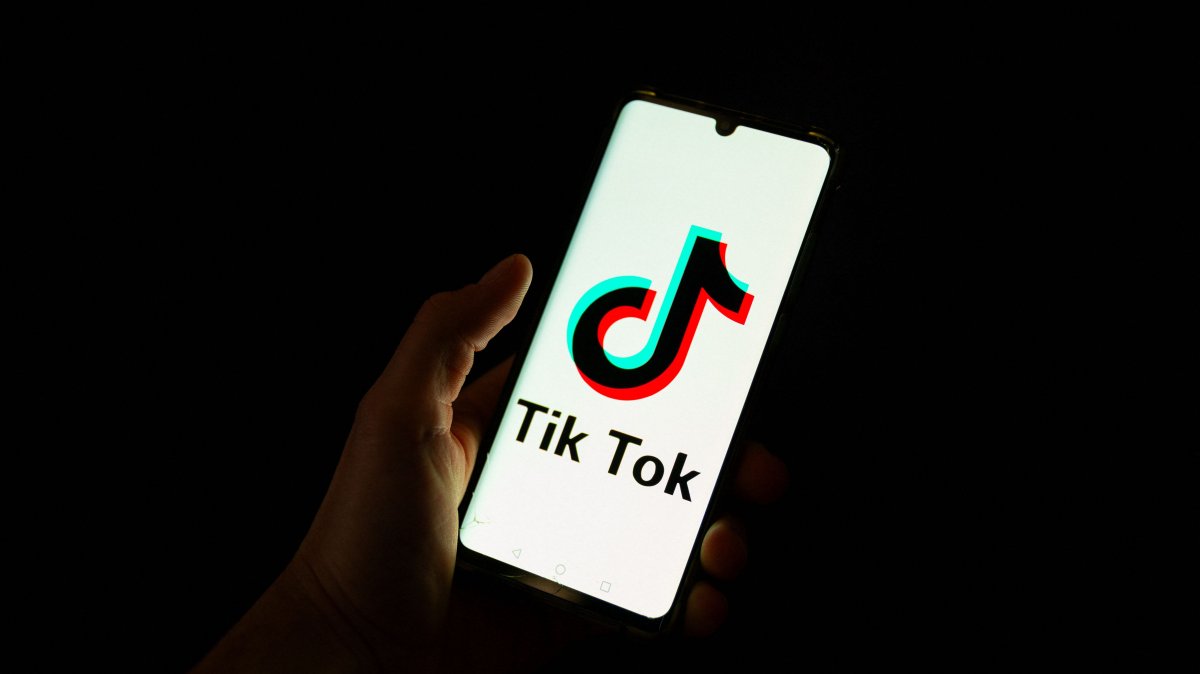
(371, 585)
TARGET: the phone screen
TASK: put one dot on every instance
(608, 450)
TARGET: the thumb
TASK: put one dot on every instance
(427, 371)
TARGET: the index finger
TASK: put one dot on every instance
(761, 477)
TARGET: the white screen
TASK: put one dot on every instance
(609, 536)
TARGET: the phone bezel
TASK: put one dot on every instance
(565, 597)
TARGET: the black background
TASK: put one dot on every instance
(269, 214)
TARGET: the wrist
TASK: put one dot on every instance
(296, 626)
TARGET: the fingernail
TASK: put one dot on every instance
(496, 271)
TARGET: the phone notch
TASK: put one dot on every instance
(725, 126)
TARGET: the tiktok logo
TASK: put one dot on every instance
(700, 277)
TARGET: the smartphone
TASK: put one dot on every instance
(598, 479)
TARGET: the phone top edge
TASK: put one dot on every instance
(800, 131)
